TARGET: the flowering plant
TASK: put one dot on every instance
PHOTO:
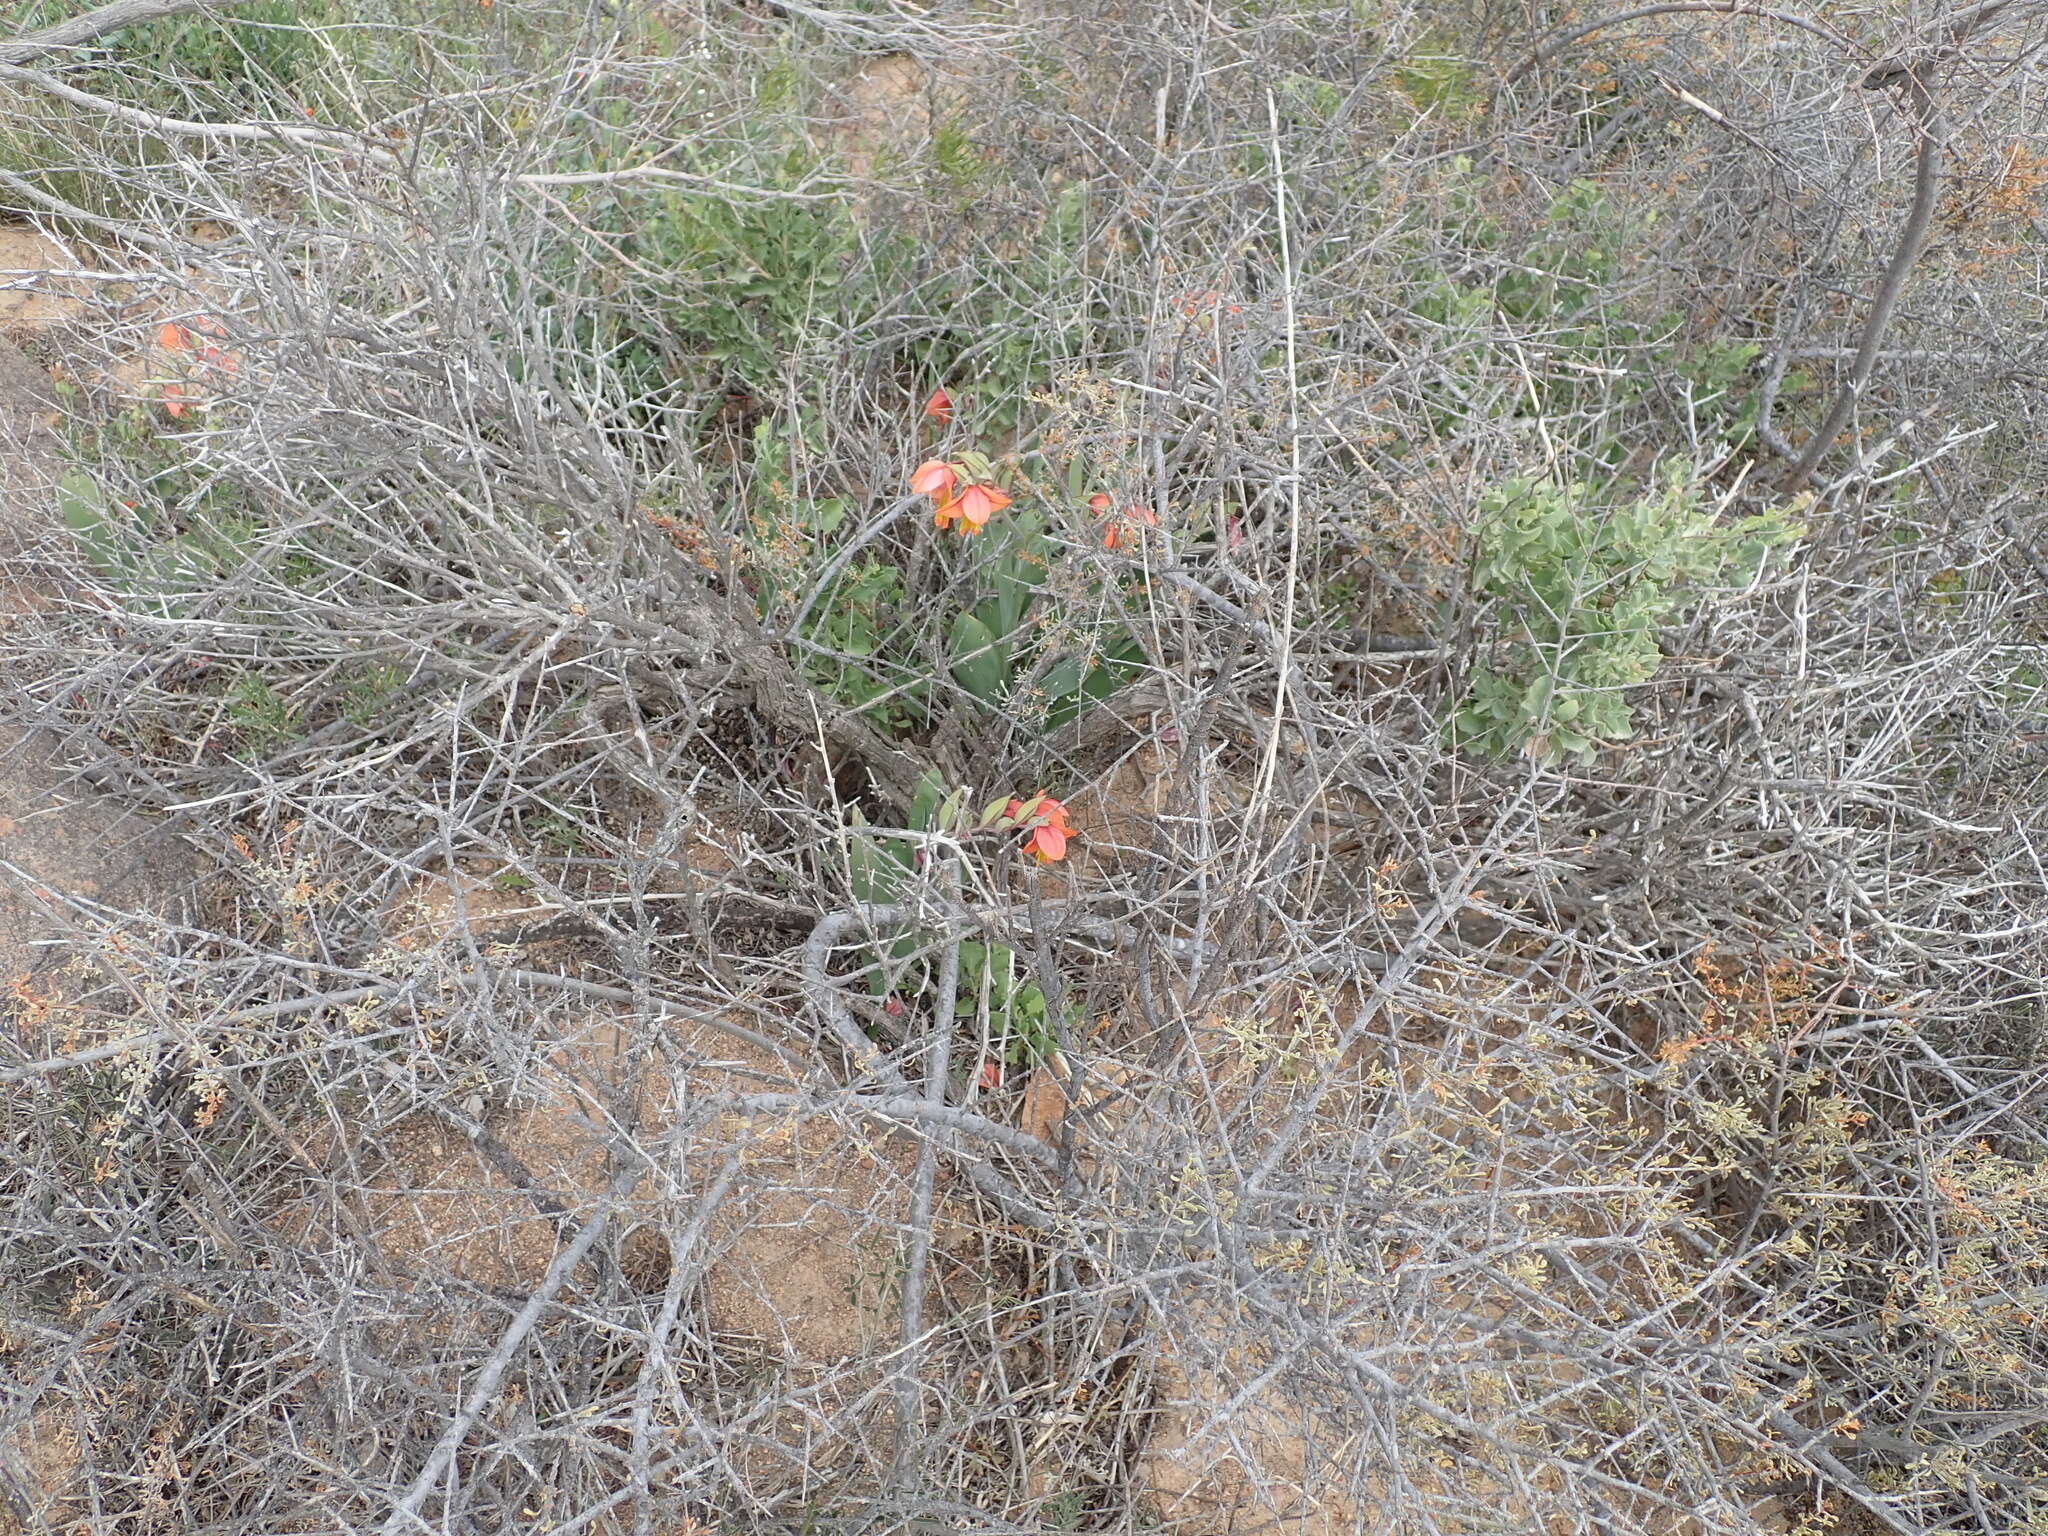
(964, 493)
(1045, 822)
(993, 982)
(202, 365)
(1121, 531)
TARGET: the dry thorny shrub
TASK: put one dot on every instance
(1407, 1141)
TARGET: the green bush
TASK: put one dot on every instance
(1581, 592)
(274, 61)
(1584, 350)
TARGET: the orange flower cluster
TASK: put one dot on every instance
(195, 345)
(962, 499)
(1122, 530)
(1194, 303)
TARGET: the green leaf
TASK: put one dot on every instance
(875, 868)
(931, 789)
(83, 504)
(981, 667)
(1074, 684)
(1064, 678)
(110, 537)
(1013, 592)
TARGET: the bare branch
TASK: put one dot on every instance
(92, 25)
(1932, 129)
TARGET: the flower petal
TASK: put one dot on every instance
(934, 477)
(975, 504)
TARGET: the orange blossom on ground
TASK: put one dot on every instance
(200, 351)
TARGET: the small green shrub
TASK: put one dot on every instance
(748, 285)
(1582, 349)
(755, 278)
(1581, 592)
(1009, 652)
(994, 983)
(263, 717)
(1438, 81)
(712, 291)
(373, 689)
(1004, 317)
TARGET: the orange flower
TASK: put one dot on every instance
(1192, 304)
(968, 508)
(940, 407)
(202, 353)
(934, 478)
(1047, 820)
(977, 504)
(1099, 503)
(1122, 531)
